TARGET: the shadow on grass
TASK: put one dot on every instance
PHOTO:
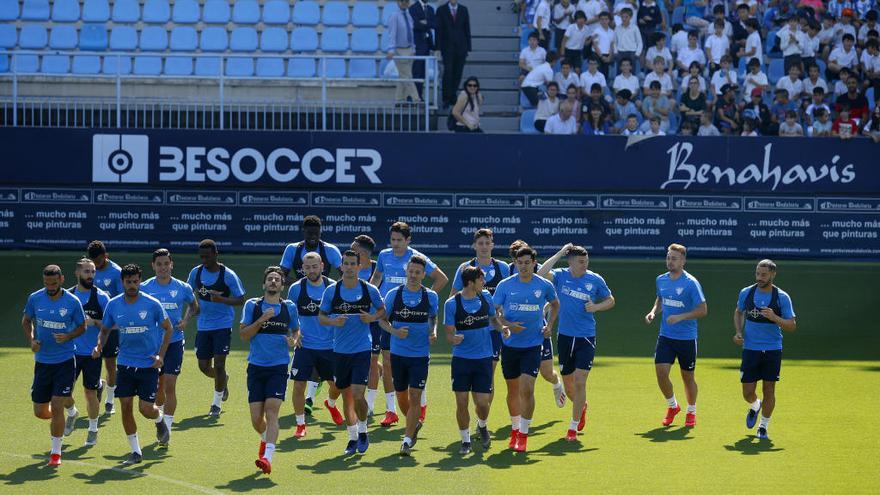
(201, 421)
(291, 443)
(341, 462)
(752, 445)
(452, 461)
(667, 433)
(37, 471)
(562, 447)
(393, 462)
(252, 481)
(115, 473)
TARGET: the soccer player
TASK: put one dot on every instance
(93, 300)
(364, 245)
(412, 323)
(107, 278)
(144, 334)
(269, 325)
(390, 273)
(180, 305)
(582, 293)
(218, 289)
(680, 299)
(519, 302)
(291, 260)
(763, 311)
(350, 305)
(313, 354)
(469, 319)
(52, 319)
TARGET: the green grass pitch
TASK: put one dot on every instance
(825, 430)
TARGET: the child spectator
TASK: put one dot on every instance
(707, 128)
(790, 127)
(781, 105)
(717, 45)
(695, 70)
(595, 123)
(632, 126)
(592, 76)
(574, 40)
(547, 107)
(753, 47)
(531, 56)
(690, 54)
(845, 126)
(822, 124)
(623, 107)
(754, 78)
(627, 38)
(656, 105)
(817, 104)
(659, 49)
(841, 57)
(626, 79)
(759, 112)
(603, 43)
(655, 129)
(565, 77)
(749, 128)
(658, 75)
(724, 75)
(792, 83)
(814, 80)
(649, 19)
(540, 75)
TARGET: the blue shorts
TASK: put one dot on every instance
(409, 372)
(266, 382)
(547, 350)
(143, 382)
(210, 343)
(668, 349)
(376, 337)
(91, 372)
(173, 359)
(111, 346)
(516, 361)
(351, 369)
(575, 353)
(307, 362)
(472, 375)
(53, 380)
(497, 343)
(385, 341)
(760, 365)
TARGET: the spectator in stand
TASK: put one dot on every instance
(592, 76)
(571, 94)
(686, 128)
(871, 128)
(658, 48)
(603, 43)
(695, 70)
(707, 128)
(690, 54)
(870, 24)
(632, 126)
(781, 105)
(717, 46)
(842, 57)
(754, 78)
(654, 129)
(656, 105)
(591, 9)
(693, 103)
(623, 106)
(749, 128)
(563, 122)
(527, 11)
(724, 75)
(753, 47)
(659, 76)
(817, 104)
(547, 107)
(679, 39)
(792, 83)
(826, 36)
(740, 32)
(563, 16)
(694, 13)
(531, 56)
(792, 42)
(595, 99)
(814, 80)
(759, 112)
(853, 100)
(466, 110)
(727, 117)
(541, 24)
(454, 42)
(845, 126)
(822, 124)
(626, 79)
(791, 128)
(573, 41)
(871, 65)
(649, 20)
(537, 77)
(565, 77)
(719, 14)
(844, 26)
(813, 47)
(840, 84)
(627, 39)
(595, 123)
(423, 29)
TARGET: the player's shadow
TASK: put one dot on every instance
(115, 473)
(450, 459)
(507, 458)
(561, 447)
(667, 433)
(393, 462)
(752, 445)
(196, 422)
(333, 464)
(37, 471)
(290, 443)
(253, 481)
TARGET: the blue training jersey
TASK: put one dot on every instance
(175, 296)
(63, 315)
(393, 268)
(574, 294)
(269, 346)
(488, 271)
(89, 339)
(334, 256)
(140, 328)
(212, 315)
(109, 279)
(524, 303)
(314, 335)
(679, 296)
(764, 336)
(416, 343)
(477, 343)
(354, 336)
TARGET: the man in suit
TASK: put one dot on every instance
(454, 42)
(400, 42)
(423, 29)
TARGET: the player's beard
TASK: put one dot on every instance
(88, 283)
(272, 291)
(53, 293)
(313, 277)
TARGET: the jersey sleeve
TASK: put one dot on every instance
(549, 291)
(236, 288)
(334, 256)
(785, 306)
(79, 315)
(449, 311)
(697, 296)
(103, 300)
(247, 312)
(380, 262)
(375, 297)
(29, 307)
(108, 321)
(188, 295)
(505, 269)
(117, 286)
(327, 299)
(293, 291)
(161, 314)
(389, 298)
(287, 257)
(191, 279)
(602, 290)
(456, 279)
(430, 265)
(294, 314)
(741, 299)
(500, 295)
(433, 303)
(657, 287)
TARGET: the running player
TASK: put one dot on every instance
(144, 334)
(763, 311)
(93, 300)
(519, 301)
(412, 323)
(582, 293)
(469, 320)
(52, 319)
(350, 305)
(107, 278)
(291, 259)
(180, 305)
(313, 354)
(364, 245)
(269, 325)
(390, 273)
(218, 289)
(680, 299)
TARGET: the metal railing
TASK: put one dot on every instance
(220, 112)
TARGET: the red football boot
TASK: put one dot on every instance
(670, 415)
(571, 436)
(264, 465)
(513, 436)
(300, 431)
(335, 415)
(521, 441)
(583, 422)
(390, 419)
(54, 460)
(690, 419)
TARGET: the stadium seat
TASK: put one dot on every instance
(95, 11)
(153, 39)
(216, 12)
(365, 14)
(869, 95)
(822, 66)
(65, 11)
(213, 39)
(126, 11)
(276, 12)
(185, 12)
(147, 65)
(157, 11)
(273, 39)
(112, 63)
(8, 36)
(270, 67)
(184, 39)
(33, 37)
(334, 40)
(301, 67)
(246, 12)
(208, 66)
(26, 64)
(387, 11)
(86, 64)
(8, 12)
(775, 70)
(524, 102)
(123, 38)
(364, 40)
(527, 122)
(678, 16)
(35, 10)
(178, 66)
(243, 39)
(63, 37)
(4, 63)
(55, 64)
(335, 14)
(240, 67)
(304, 39)
(362, 68)
(306, 12)
(335, 68)
(770, 45)
(741, 68)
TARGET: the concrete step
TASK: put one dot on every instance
(501, 97)
(482, 8)
(484, 30)
(488, 124)
(511, 56)
(510, 71)
(495, 44)
(504, 83)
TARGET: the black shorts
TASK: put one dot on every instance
(575, 353)
(409, 372)
(351, 369)
(266, 382)
(376, 337)
(307, 361)
(668, 350)
(173, 359)
(53, 380)
(111, 346)
(90, 368)
(760, 365)
(472, 375)
(516, 361)
(143, 382)
(385, 341)
(497, 344)
(210, 343)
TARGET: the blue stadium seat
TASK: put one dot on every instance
(364, 40)
(63, 37)
(306, 12)
(524, 102)
(33, 37)
(678, 16)
(869, 95)
(216, 12)
(157, 11)
(26, 64)
(95, 11)
(335, 68)
(65, 11)
(147, 65)
(4, 61)
(185, 12)
(213, 39)
(35, 10)
(304, 39)
(334, 40)
(387, 11)
(243, 39)
(527, 122)
(112, 63)
(208, 66)
(301, 67)
(335, 14)
(123, 38)
(8, 12)
(184, 39)
(362, 68)
(365, 14)
(240, 67)
(178, 66)
(8, 36)
(775, 70)
(822, 66)
(273, 39)
(770, 45)
(270, 67)
(86, 64)
(246, 12)
(93, 37)
(55, 64)
(153, 39)
(275, 12)
(742, 68)
(126, 11)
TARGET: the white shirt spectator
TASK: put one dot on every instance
(628, 38)
(751, 81)
(679, 41)
(621, 4)
(709, 130)
(687, 78)
(719, 80)
(541, 74)
(754, 41)
(794, 88)
(689, 55)
(566, 13)
(654, 53)
(789, 46)
(842, 57)
(869, 62)
(810, 113)
(542, 15)
(809, 85)
(592, 9)
(604, 39)
(576, 37)
(533, 58)
(631, 83)
(717, 46)
(547, 108)
(863, 31)
(565, 82)
(588, 79)
(840, 30)
(555, 125)
(664, 80)
(812, 45)
(840, 88)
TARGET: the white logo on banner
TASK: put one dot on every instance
(120, 158)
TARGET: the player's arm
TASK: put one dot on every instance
(657, 308)
(507, 326)
(247, 332)
(28, 326)
(452, 337)
(231, 301)
(327, 321)
(166, 340)
(376, 279)
(700, 311)
(440, 279)
(551, 262)
(102, 338)
(738, 322)
(551, 316)
(787, 325)
(604, 305)
(192, 310)
(287, 280)
(66, 337)
(400, 333)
